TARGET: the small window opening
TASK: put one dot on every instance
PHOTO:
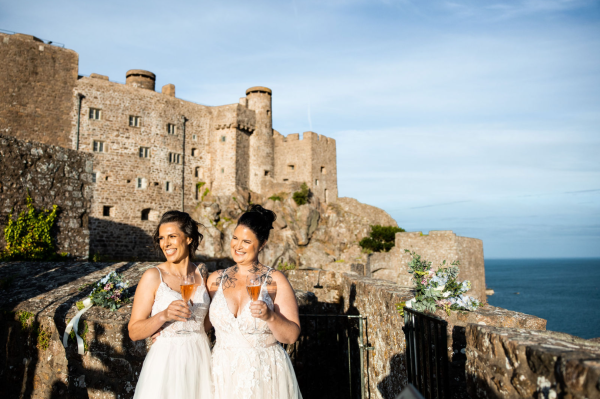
(94, 177)
(223, 138)
(266, 173)
(144, 152)
(106, 210)
(128, 181)
(98, 146)
(155, 183)
(94, 113)
(291, 167)
(268, 112)
(326, 196)
(135, 121)
(222, 170)
(316, 182)
(194, 152)
(140, 182)
(168, 187)
(197, 171)
(285, 179)
(174, 158)
(107, 178)
(170, 128)
(145, 214)
(194, 137)
(323, 170)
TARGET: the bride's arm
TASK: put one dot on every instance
(140, 325)
(284, 320)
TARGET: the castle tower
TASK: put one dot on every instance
(140, 78)
(261, 141)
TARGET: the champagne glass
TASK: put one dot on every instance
(253, 285)
(187, 287)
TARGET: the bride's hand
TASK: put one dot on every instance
(260, 310)
(177, 311)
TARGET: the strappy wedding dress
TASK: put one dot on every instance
(178, 365)
(249, 366)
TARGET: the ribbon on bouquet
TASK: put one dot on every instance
(74, 324)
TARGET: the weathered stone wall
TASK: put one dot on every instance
(515, 363)
(52, 176)
(313, 159)
(376, 299)
(36, 87)
(435, 247)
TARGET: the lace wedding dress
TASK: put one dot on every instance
(178, 365)
(249, 366)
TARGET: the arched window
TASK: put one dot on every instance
(146, 214)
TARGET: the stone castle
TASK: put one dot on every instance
(153, 152)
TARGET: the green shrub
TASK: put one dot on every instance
(381, 238)
(275, 198)
(284, 266)
(28, 237)
(301, 197)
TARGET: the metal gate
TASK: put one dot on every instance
(427, 354)
(329, 356)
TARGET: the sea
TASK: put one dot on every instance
(566, 292)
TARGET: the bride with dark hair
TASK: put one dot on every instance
(178, 363)
(248, 360)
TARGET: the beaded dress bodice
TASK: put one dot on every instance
(163, 298)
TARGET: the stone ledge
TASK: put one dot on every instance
(518, 363)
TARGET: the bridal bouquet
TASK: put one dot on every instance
(109, 292)
(439, 289)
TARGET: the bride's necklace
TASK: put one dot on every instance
(179, 276)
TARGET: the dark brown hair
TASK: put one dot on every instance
(259, 220)
(186, 224)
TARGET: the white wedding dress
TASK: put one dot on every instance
(249, 366)
(178, 365)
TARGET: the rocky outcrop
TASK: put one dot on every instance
(314, 235)
(516, 363)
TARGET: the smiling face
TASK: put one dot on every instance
(173, 242)
(244, 245)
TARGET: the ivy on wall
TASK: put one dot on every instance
(28, 237)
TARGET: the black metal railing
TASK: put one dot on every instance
(328, 357)
(427, 354)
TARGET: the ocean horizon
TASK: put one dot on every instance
(564, 291)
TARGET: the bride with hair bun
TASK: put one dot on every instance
(248, 360)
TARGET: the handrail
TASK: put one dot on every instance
(50, 42)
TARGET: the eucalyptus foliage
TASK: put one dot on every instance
(439, 289)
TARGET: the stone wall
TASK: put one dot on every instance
(52, 176)
(310, 160)
(435, 247)
(385, 370)
(36, 88)
(515, 363)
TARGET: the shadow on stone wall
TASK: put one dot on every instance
(112, 240)
(49, 292)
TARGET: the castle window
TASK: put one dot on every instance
(98, 146)
(197, 171)
(168, 187)
(107, 211)
(223, 138)
(145, 214)
(291, 168)
(323, 170)
(174, 158)
(222, 170)
(135, 121)
(194, 137)
(285, 180)
(144, 152)
(141, 182)
(268, 112)
(170, 128)
(316, 182)
(94, 177)
(94, 113)
(266, 173)
(326, 196)
(194, 152)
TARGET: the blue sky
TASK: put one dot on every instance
(481, 117)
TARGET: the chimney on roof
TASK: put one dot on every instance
(169, 90)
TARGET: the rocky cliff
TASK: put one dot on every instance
(314, 235)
